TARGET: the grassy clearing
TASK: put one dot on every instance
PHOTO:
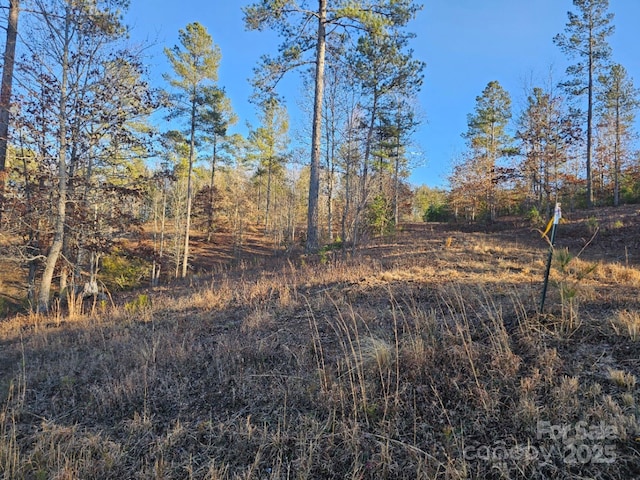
(424, 360)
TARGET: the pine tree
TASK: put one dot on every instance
(215, 117)
(5, 91)
(269, 143)
(546, 133)
(619, 101)
(387, 75)
(305, 29)
(195, 65)
(488, 138)
(586, 40)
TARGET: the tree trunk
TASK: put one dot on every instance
(589, 128)
(211, 196)
(491, 194)
(268, 195)
(396, 190)
(313, 242)
(362, 202)
(347, 192)
(157, 262)
(59, 230)
(5, 92)
(329, 155)
(616, 159)
(162, 230)
(330, 204)
(33, 246)
(396, 175)
(187, 228)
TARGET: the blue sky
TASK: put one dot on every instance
(465, 44)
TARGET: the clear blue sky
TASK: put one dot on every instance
(465, 44)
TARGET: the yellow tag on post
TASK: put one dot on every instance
(548, 227)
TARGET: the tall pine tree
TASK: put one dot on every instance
(304, 27)
(586, 40)
(619, 100)
(215, 117)
(5, 91)
(195, 66)
(268, 144)
(488, 138)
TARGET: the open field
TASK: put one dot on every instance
(424, 357)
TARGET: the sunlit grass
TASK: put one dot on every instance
(386, 366)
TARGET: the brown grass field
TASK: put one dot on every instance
(423, 357)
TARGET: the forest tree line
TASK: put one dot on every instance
(574, 142)
(85, 167)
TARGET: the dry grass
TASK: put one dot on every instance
(405, 364)
(627, 323)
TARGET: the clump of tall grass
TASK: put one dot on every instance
(627, 323)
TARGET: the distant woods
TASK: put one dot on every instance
(574, 140)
